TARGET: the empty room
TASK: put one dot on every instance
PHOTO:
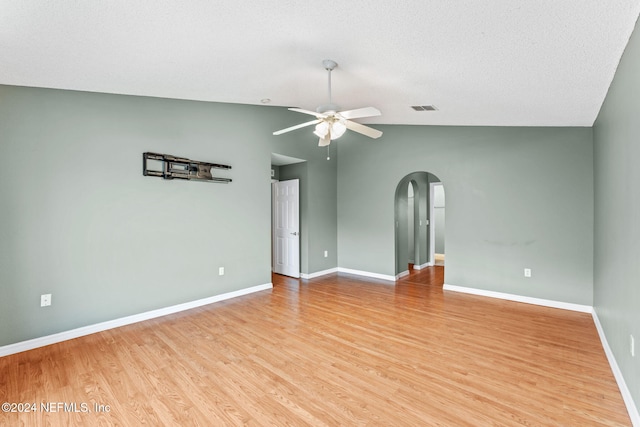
(345, 213)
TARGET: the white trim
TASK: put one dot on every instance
(420, 267)
(520, 298)
(116, 323)
(318, 273)
(617, 373)
(402, 274)
(367, 274)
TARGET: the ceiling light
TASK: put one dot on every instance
(321, 129)
(338, 128)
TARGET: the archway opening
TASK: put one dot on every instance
(419, 222)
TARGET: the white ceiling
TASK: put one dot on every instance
(502, 62)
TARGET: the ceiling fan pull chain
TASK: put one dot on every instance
(328, 153)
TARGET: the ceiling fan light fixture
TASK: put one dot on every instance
(322, 129)
(338, 128)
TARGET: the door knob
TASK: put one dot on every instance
(295, 233)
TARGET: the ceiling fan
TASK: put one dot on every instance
(331, 123)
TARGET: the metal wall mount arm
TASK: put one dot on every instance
(173, 167)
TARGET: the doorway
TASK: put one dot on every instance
(437, 222)
(413, 231)
(415, 218)
(286, 227)
(288, 177)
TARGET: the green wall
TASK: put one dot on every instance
(516, 198)
(78, 220)
(617, 215)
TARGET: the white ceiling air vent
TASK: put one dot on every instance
(424, 107)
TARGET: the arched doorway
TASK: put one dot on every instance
(414, 219)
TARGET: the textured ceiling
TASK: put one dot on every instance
(503, 62)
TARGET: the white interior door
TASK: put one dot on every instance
(286, 227)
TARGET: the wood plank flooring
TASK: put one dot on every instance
(336, 350)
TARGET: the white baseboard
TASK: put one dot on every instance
(622, 385)
(520, 298)
(367, 274)
(402, 274)
(111, 324)
(351, 271)
(359, 273)
(318, 273)
(421, 266)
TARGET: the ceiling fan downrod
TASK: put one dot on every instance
(329, 65)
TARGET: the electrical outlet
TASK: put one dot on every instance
(633, 346)
(326, 254)
(221, 271)
(527, 272)
(45, 300)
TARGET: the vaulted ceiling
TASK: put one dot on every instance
(488, 63)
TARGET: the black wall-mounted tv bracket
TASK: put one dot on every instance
(178, 168)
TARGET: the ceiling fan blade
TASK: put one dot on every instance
(323, 142)
(312, 122)
(365, 130)
(311, 113)
(360, 112)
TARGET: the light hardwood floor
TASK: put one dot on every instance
(337, 350)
